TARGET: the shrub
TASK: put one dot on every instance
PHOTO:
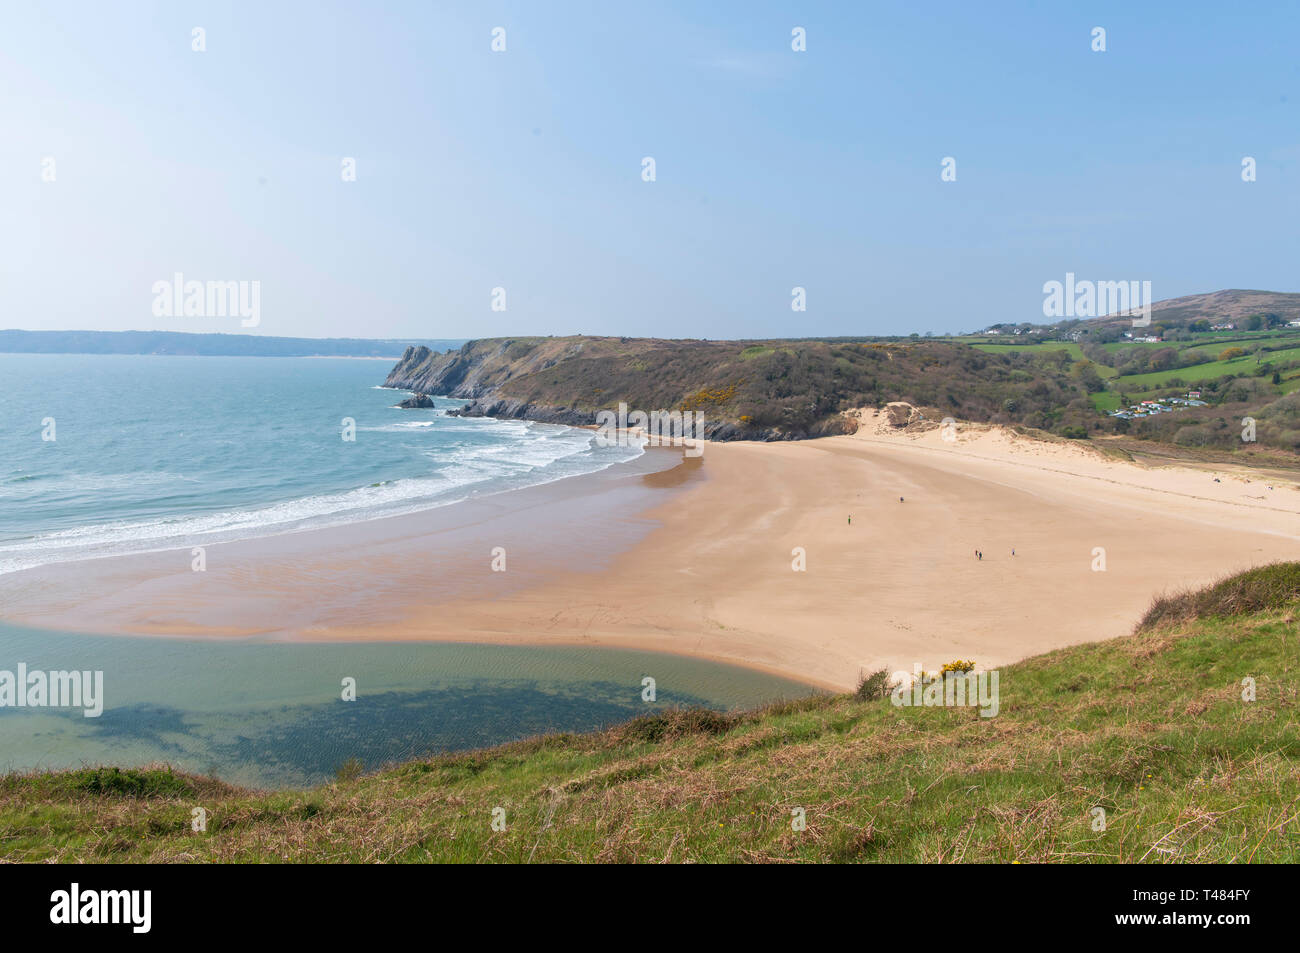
(875, 685)
(1193, 436)
(1266, 587)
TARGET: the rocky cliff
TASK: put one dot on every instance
(554, 380)
(745, 390)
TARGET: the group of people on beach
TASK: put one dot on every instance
(979, 555)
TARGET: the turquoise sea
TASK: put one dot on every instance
(154, 452)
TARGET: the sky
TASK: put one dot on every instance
(127, 156)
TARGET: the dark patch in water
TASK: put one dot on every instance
(140, 722)
(396, 726)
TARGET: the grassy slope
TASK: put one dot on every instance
(1150, 727)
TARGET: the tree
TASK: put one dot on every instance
(1228, 354)
(1163, 359)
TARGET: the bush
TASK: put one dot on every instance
(1266, 587)
(875, 685)
(1193, 436)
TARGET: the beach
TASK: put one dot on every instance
(818, 560)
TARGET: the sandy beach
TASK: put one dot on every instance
(697, 557)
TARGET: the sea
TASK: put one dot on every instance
(109, 454)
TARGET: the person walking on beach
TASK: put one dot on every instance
(850, 520)
(980, 555)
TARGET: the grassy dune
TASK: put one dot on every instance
(1151, 727)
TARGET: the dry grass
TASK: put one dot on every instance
(1265, 587)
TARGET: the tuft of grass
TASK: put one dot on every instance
(674, 723)
(127, 782)
(1266, 587)
(349, 770)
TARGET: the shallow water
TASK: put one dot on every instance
(153, 453)
(272, 715)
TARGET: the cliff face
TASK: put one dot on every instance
(477, 368)
(508, 378)
(745, 390)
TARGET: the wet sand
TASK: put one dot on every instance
(695, 557)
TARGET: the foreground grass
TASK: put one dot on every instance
(1152, 728)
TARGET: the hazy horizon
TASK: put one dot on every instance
(1032, 319)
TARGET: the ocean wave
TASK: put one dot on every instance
(521, 454)
(398, 427)
(64, 483)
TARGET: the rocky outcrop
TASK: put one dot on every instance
(714, 429)
(477, 368)
(900, 413)
(416, 401)
(507, 378)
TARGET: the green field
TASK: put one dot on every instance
(1069, 347)
(1197, 372)
(1106, 400)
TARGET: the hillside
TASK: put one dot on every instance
(1152, 728)
(764, 390)
(1228, 306)
(1145, 387)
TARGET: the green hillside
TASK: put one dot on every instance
(1151, 728)
(761, 390)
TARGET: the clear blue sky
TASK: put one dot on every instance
(522, 169)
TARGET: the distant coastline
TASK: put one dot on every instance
(190, 344)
